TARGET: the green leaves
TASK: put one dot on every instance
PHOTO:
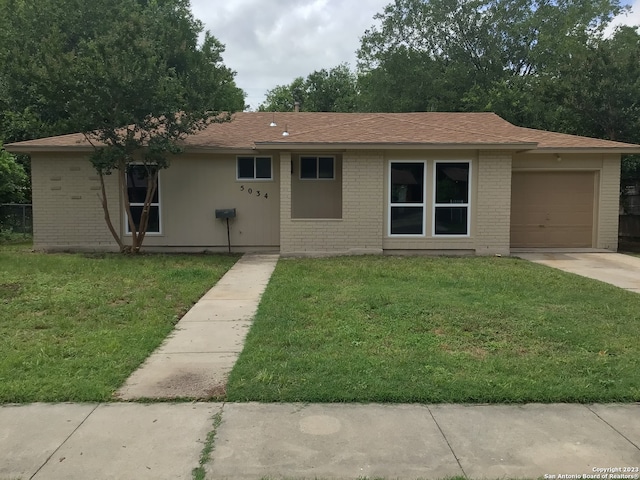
(130, 74)
(13, 179)
(518, 58)
(84, 66)
(332, 90)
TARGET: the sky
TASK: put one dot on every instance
(271, 42)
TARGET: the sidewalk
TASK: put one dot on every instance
(164, 441)
(195, 360)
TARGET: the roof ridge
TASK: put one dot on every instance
(468, 130)
(548, 132)
(366, 116)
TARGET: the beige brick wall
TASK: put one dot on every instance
(609, 203)
(360, 228)
(67, 214)
(493, 204)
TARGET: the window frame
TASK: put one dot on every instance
(317, 177)
(157, 204)
(391, 205)
(466, 205)
(254, 178)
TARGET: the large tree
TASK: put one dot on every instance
(460, 49)
(602, 87)
(332, 90)
(129, 74)
(13, 179)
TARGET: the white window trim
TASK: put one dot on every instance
(127, 232)
(457, 205)
(254, 179)
(423, 204)
(317, 177)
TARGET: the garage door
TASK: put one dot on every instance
(552, 209)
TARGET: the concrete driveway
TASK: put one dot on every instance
(615, 268)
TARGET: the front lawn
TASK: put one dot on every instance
(74, 327)
(416, 329)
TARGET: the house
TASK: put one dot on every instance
(347, 183)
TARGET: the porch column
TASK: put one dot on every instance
(285, 202)
(493, 210)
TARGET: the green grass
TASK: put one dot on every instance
(8, 237)
(74, 327)
(200, 472)
(385, 329)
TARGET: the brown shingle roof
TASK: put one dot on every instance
(251, 129)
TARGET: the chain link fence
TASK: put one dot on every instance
(16, 218)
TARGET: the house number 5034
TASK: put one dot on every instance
(256, 193)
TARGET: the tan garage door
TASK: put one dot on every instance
(552, 209)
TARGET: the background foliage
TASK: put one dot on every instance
(543, 64)
(99, 66)
(135, 76)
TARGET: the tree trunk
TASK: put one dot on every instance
(107, 216)
(122, 172)
(152, 186)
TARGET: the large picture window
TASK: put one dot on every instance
(407, 198)
(317, 168)
(137, 185)
(451, 198)
(254, 168)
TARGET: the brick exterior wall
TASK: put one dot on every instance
(493, 204)
(609, 203)
(359, 230)
(67, 214)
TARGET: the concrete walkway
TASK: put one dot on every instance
(195, 360)
(331, 441)
(615, 268)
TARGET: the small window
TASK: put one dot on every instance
(254, 168)
(452, 187)
(137, 185)
(317, 168)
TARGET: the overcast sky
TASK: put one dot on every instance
(271, 42)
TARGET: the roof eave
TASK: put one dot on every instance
(395, 146)
(618, 150)
(240, 150)
(18, 148)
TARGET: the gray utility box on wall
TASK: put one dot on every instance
(226, 213)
